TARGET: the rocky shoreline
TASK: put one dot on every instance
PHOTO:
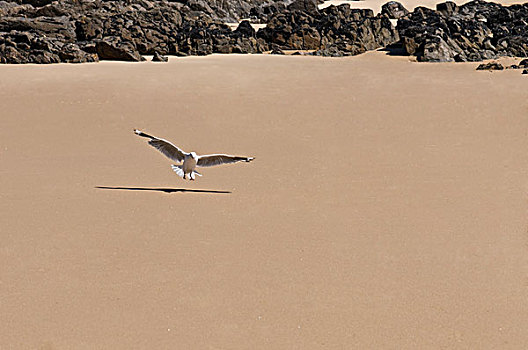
(77, 31)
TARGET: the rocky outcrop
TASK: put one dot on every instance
(89, 30)
(40, 40)
(475, 31)
(51, 31)
(333, 31)
(235, 10)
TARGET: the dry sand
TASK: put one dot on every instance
(386, 207)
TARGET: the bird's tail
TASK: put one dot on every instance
(178, 170)
(142, 134)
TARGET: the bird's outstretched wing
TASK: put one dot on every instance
(217, 159)
(165, 147)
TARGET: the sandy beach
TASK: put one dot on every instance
(386, 207)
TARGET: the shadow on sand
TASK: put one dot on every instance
(394, 50)
(166, 190)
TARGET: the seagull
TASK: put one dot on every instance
(190, 160)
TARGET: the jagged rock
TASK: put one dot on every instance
(394, 10)
(45, 31)
(490, 66)
(113, 48)
(159, 58)
(331, 51)
(349, 31)
(36, 3)
(475, 31)
(12, 9)
(306, 6)
(263, 12)
(277, 51)
(71, 53)
(245, 29)
(437, 50)
(48, 26)
(9, 54)
(447, 8)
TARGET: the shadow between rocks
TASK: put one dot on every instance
(166, 190)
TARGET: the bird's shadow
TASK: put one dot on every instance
(160, 189)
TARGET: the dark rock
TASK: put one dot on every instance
(306, 6)
(159, 58)
(447, 8)
(45, 31)
(331, 51)
(523, 63)
(394, 10)
(525, 71)
(36, 3)
(263, 12)
(245, 29)
(437, 50)
(475, 31)
(277, 51)
(12, 9)
(9, 54)
(113, 48)
(48, 26)
(333, 31)
(490, 66)
(71, 53)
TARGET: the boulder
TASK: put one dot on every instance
(159, 58)
(245, 29)
(306, 6)
(447, 8)
(394, 10)
(113, 48)
(490, 66)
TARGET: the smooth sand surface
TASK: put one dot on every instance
(386, 207)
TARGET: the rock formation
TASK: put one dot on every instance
(51, 31)
(475, 31)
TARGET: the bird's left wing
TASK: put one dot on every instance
(217, 159)
(164, 146)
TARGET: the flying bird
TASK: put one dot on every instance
(190, 160)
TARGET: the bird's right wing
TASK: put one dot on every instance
(217, 159)
(165, 147)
